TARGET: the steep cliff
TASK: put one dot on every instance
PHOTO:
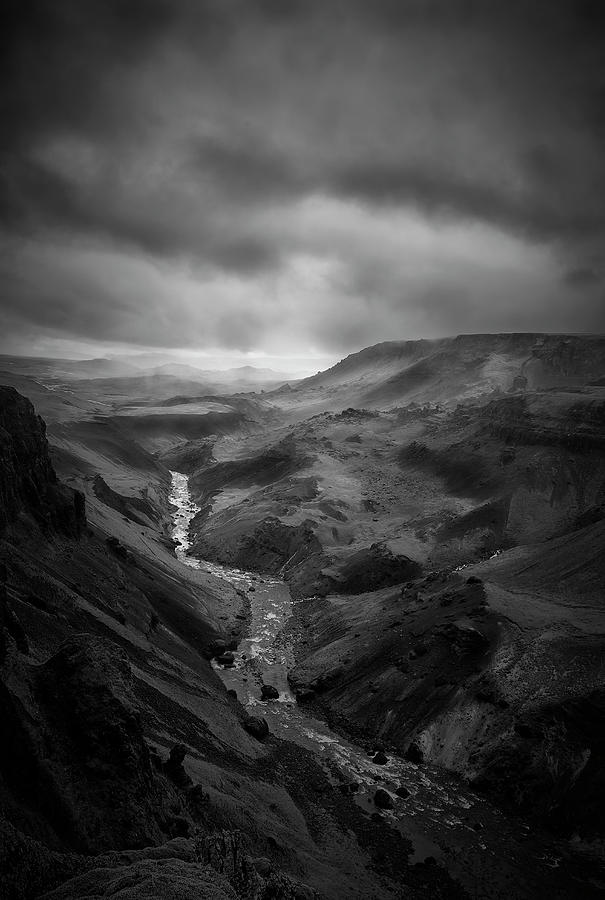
(28, 483)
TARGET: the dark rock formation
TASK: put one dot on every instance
(552, 765)
(98, 746)
(257, 727)
(382, 799)
(374, 568)
(137, 509)
(414, 753)
(274, 463)
(75, 770)
(218, 647)
(28, 483)
(174, 766)
(292, 550)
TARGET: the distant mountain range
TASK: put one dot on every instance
(445, 370)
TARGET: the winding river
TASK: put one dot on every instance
(491, 855)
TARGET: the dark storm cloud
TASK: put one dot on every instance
(248, 170)
(55, 57)
(543, 214)
(281, 154)
(36, 199)
(451, 195)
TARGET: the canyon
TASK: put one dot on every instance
(332, 637)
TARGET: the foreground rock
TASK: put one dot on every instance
(28, 483)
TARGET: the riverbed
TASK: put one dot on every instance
(492, 855)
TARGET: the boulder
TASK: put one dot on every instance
(414, 753)
(382, 799)
(262, 866)
(174, 768)
(257, 727)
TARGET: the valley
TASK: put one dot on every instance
(408, 547)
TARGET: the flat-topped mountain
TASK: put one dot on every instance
(452, 369)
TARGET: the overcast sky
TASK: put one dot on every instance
(301, 177)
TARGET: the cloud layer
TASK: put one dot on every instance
(300, 176)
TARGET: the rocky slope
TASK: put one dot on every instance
(28, 483)
(494, 672)
(451, 369)
(361, 497)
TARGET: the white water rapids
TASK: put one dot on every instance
(440, 816)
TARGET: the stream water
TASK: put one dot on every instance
(491, 855)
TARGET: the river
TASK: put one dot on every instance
(492, 855)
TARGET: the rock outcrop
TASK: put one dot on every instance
(75, 744)
(28, 483)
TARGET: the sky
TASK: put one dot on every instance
(298, 179)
